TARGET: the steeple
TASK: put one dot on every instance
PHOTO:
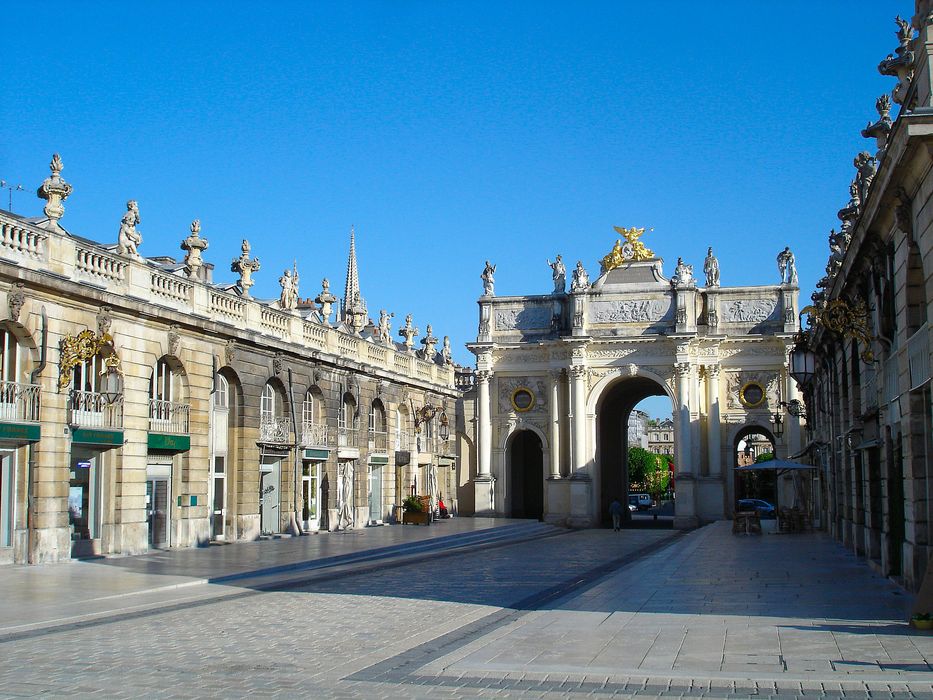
(354, 307)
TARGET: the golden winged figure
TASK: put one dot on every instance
(632, 250)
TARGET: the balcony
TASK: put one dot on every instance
(402, 441)
(89, 409)
(96, 418)
(347, 437)
(313, 435)
(378, 441)
(19, 412)
(168, 417)
(274, 429)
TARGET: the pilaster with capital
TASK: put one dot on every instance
(683, 371)
(578, 421)
(554, 423)
(714, 429)
(483, 424)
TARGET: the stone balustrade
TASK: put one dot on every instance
(82, 261)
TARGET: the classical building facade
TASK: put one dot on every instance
(865, 363)
(142, 405)
(661, 437)
(558, 375)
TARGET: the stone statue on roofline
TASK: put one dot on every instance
(129, 238)
(787, 266)
(446, 354)
(408, 332)
(384, 331)
(429, 342)
(580, 281)
(683, 273)
(558, 274)
(711, 268)
(288, 300)
(489, 282)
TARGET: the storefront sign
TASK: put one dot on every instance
(84, 464)
(319, 455)
(402, 457)
(170, 443)
(93, 436)
(20, 432)
(378, 460)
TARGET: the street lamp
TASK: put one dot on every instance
(802, 363)
(777, 421)
(444, 431)
(111, 386)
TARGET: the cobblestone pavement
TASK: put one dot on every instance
(594, 613)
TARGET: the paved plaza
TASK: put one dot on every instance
(531, 612)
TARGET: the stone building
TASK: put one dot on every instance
(143, 405)
(661, 437)
(638, 429)
(558, 374)
(865, 363)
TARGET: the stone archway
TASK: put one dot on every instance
(525, 460)
(749, 443)
(613, 408)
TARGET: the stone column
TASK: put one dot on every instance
(714, 434)
(682, 370)
(555, 423)
(484, 494)
(578, 424)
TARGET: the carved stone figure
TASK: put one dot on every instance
(489, 282)
(129, 238)
(245, 267)
(881, 129)
(289, 283)
(581, 280)
(326, 300)
(174, 340)
(900, 64)
(54, 190)
(194, 245)
(384, 332)
(866, 165)
(787, 266)
(429, 342)
(104, 321)
(16, 300)
(408, 332)
(558, 274)
(683, 273)
(230, 351)
(711, 268)
(446, 354)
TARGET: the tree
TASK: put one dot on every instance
(657, 479)
(640, 462)
(764, 457)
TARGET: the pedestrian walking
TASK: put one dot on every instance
(615, 510)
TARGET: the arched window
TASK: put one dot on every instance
(308, 415)
(221, 392)
(167, 414)
(267, 402)
(96, 394)
(313, 426)
(18, 401)
(347, 422)
(378, 437)
(401, 428)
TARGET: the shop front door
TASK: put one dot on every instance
(269, 497)
(158, 502)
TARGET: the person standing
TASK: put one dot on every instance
(615, 510)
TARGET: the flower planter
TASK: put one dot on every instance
(411, 518)
(922, 624)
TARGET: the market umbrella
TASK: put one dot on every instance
(780, 467)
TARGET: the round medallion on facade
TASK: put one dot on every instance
(523, 399)
(752, 395)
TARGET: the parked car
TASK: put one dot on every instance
(641, 501)
(763, 508)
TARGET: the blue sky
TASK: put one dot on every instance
(449, 133)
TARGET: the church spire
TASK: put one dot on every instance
(354, 307)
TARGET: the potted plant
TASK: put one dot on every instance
(922, 621)
(414, 513)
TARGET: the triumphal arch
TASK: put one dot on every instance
(558, 374)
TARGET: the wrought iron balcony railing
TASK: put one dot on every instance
(347, 437)
(313, 435)
(378, 441)
(19, 402)
(90, 409)
(168, 417)
(273, 429)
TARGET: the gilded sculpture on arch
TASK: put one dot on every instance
(632, 250)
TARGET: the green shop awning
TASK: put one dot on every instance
(316, 454)
(378, 460)
(97, 436)
(169, 443)
(20, 433)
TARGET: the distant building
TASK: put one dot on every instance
(638, 429)
(661, 437)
